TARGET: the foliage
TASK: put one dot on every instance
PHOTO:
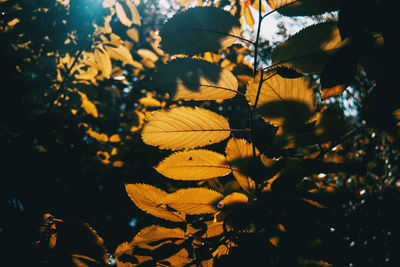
(260, 161)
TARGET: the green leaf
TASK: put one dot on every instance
(194, 165)
(150, 199)
(185, 127)
(199, 30)
(194, 200)
(304, 7)
(310, 49)
(194, 79)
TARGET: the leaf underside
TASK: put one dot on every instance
(199, 30)
(194, 165)
(185, 127)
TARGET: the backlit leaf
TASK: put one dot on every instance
(309, 49)
(185, 127)
(88, 106)
(127, 13)
(303, 7)
(233, 198)
(285, 103)
(239, 152)
(150, 199)
(103, 61)
(194, 200)
(199, 30)
(194, 165)
(156, 233)
(193, 79)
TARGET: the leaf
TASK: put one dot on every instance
(233, 198)
(340, 70)
(87, 105)
(120, 52)
(154, 233)
(124, 256)
(127, 13)
(194, 200)
(309, 49)
(150, 199)
(185, 127)
(194, 79)
(103, 61)
(184, 2)
(238, 153)
(194, 165)
(198, 30)
(285, 103)
(303, 7)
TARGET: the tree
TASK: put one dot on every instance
(264, 162)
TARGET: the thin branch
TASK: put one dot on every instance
(339, 141)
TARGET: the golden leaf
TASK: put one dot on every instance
(88, 106)
(193, 200)
(185, 127)
(233, 198)
(127, 13)
(285, 103)
(150, 199)
(194, 165)
(103, 61)
(238, 153)
(156, 233)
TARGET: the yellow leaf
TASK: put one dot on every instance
(127, 13)
(285, 103)
(150, 199)
(133, 33)
(248, 17)
(102, 137)
(88, 105)
(154, 233)
(193, 200)
(118, 164)
(149, 101)
(238, 153)
(194, 165)
(233, 198)
(185, 127)
(194, 79)
(184, 2)
(103, 61)
(115, 138)
(124, 249)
